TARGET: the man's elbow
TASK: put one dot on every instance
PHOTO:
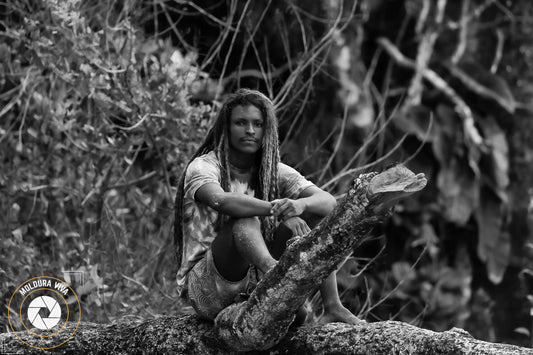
(330, 204)
(225, 202)
(333, 202)
(217, 201)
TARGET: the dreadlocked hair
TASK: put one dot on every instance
(217, 140)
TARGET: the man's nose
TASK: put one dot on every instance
(250, 128)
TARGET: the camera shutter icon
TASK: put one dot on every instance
(35, 315)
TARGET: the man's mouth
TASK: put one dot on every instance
(249, 140)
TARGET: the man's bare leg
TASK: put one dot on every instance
(334, 311)
(237, 246)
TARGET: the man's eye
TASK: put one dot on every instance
(259, 124)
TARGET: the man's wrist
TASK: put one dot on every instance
(285, 219)
(303, 203)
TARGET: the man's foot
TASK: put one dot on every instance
(339, 314)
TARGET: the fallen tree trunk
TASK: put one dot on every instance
(189, 335)
(263, 320)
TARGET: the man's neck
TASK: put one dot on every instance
(241, 160)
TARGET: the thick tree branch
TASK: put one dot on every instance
(189, 335)
(264, 318)
(463, 33)
(425, 50)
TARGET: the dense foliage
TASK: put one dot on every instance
(101, 104)
(96, 127)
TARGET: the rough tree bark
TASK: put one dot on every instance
(189, 335)
(263, 320)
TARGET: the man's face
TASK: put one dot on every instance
(246, 129)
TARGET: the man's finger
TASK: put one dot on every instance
(284, 211)
(295, 231)
(278, 207)
(301, 228)
(281, 204)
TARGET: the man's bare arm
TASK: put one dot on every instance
(312, 199)
(232, 204)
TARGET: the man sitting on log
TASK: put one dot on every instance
(236, 207)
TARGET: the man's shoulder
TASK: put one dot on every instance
(291, 181)
(284, 169)
(204, 164)
(210, 159)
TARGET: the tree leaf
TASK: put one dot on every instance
(499, 154)
(446, 139)
(494, 244)
(17, 233)
(522, 330)
(459, 189)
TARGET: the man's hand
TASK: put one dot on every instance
(298, 226)
(286, 208)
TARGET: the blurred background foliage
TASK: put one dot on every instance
(102, 103)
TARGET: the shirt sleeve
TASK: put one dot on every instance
(291, 182)
(201, 171)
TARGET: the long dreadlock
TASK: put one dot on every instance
(217, 140)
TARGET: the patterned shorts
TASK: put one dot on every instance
(209, 292)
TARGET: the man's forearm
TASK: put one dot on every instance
(240, 205)
(320, 204)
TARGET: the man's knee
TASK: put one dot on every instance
(227, 247)
(244, 226)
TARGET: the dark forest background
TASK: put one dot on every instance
(103, 102)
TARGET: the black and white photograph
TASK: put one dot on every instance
(266, 177)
